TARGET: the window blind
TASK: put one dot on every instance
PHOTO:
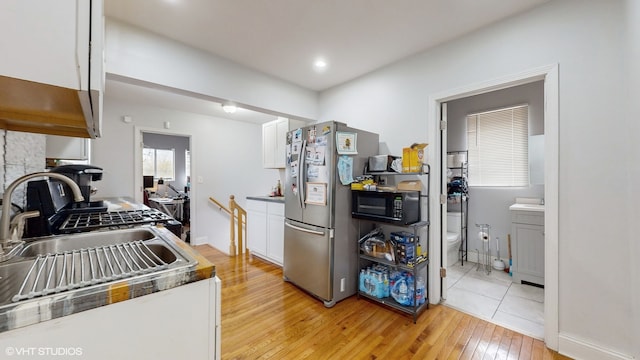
(498, 147)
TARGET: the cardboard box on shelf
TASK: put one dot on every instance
(405, 253)
(412, 158)
(403, 237)
(415, 185)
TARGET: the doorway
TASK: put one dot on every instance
(549, 75)
(490, 139)
(163, 170)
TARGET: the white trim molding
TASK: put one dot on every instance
(137, 169)
(579, 349)
(549, 74)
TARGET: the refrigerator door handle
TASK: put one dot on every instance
(321, 233)
(302, 173)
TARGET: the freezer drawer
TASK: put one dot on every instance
(308, 258)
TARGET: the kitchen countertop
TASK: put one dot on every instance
(122, 203)
(528, 204)
(527, 207)
(276, 199)
(33, 311)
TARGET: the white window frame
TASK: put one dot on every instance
(154, 155)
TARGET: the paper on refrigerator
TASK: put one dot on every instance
(345, 169)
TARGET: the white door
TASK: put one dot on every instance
(443, 196)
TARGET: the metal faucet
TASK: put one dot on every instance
(9, 247)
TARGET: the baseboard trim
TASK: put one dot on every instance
(579, 349)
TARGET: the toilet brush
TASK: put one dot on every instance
(498, 264)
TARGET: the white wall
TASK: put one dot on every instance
(630, 133)
(137, 54)
(586, 39)
(225, 153)
(20, 153)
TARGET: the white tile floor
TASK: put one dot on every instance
(496, 299)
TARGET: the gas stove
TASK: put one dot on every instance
(59, 215)
(79, 222)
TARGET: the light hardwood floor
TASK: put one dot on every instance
(264, 317)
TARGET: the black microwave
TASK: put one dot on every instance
(401, 207)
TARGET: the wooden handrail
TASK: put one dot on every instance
(237, 213)
(222, 207)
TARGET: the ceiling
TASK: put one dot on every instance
(145, 94)
(282, 38)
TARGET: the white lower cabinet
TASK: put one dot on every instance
(257, 227)
(265, 230)
(275, 230)
(179, 323)
(528, 246)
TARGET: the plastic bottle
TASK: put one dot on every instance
(420, 291)
(370, 282)
(385, 285)
(380, 287)
(411, 291)
(362, 277)
(403, 295)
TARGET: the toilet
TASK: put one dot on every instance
(454, 222)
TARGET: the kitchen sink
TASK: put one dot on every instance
(64, 263)
(12, 275)
(61, 243)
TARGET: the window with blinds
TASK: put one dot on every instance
(498, 147)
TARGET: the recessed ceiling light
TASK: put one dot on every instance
(320, 64)
(229, 108)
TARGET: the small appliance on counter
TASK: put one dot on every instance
(83, 175)
(59, 214)
(381, 163)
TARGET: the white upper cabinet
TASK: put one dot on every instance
(274, 140)
(67, 148)
(52, 66)
(39, 38)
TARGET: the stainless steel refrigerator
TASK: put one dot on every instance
(320, 237)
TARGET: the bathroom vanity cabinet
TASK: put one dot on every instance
(527, 229)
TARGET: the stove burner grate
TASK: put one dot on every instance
(88, 221)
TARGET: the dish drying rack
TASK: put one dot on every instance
(54, 273)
